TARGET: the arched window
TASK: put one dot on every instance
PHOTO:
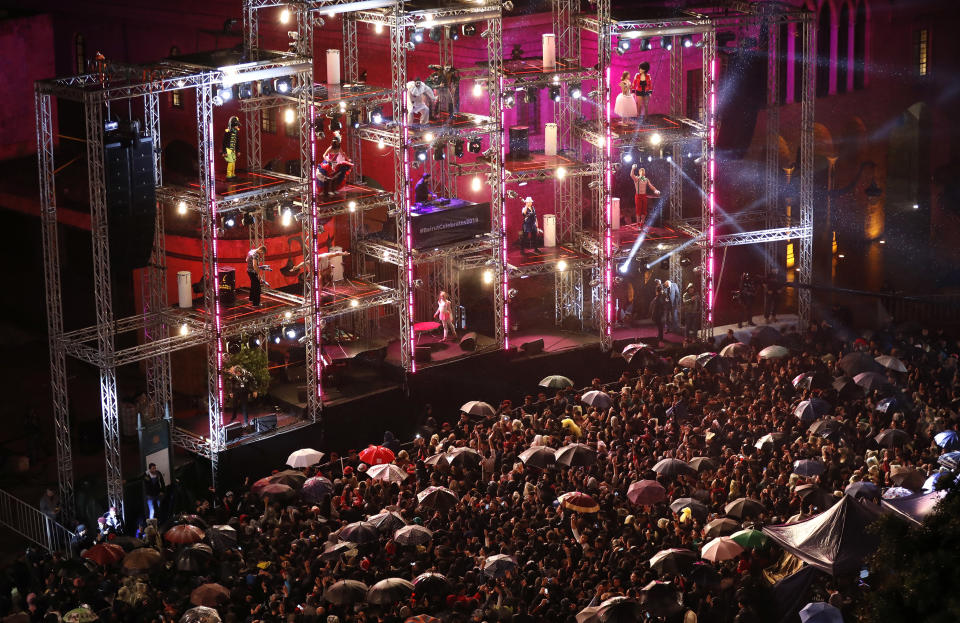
(783, 39)
(799, 54)
(80, 53)
(843, 48)
(860, 45)
(823, 51)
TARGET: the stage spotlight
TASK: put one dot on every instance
(282, 85)
(381, 144)
(649, 158)
(354, 120)
(458, 148)
(555, 93)
(468, 30)
(410, 45)
(417, 35)
(477, 89)
(276, 339)
(184, 329)
(627, 157)
(687, 41)
(575, 91)
(182, 207)
(512, 293)
(699, 161)
(655, 139)
(287, 217)
(561, 173)
(335, 124)
(247, 220)
(475, 183)
(225, 94)
(318, 126)
(289, 116)
(352, 206)
(436, 34)
(454, 34)
(291, 333)
(428, 137)
(623, 45)
(646, 44)
(619, 51)
(530, 94)
(509, 101)
(562, 265)
(285, 16)
(421, 154)
(418, 283)
(685, 261)
(508, 6)
(488, 276)
(438, 153)
(377, 29)
(266, 87)
(666, 43)
(474, 146)
(245, 90)
(288, 315)
(377, 115)
(512, 194)
(595, 184)
(229, 221)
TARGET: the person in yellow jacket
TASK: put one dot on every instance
(571, 426)
(231, 144)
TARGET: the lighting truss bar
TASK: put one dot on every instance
(546, 78)
(482, 169)
(391, 253)
(550, 267)
(322, 107)
(678, 26)
(764, 235)
(390, 134)
(383, 198)
(387, 296)
(439, 16)
(190, 441)
(254, 199)
(336, 8)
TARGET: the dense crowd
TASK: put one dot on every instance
(563, 560)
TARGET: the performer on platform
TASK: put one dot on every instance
(334, 168)
(643, 88)
(421, 191)
(745, 296)
(421, 99)
(446, 82)
(658, 311)
(445, 314)
(625, 106)
(529, 227)
(254, 257)
(640, 186)
(231, 144)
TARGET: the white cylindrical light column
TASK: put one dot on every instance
(333, 66)
(550, 139)
(184, 289)
(336, 264)
(549, 50)
(615, 212)
(549, 230)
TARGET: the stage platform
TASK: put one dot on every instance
(442, 352)
(528, 262)
(532, 69)
(658, 240)
(351, 198)
(249, 189)
(276, 307)
(540, 164)
(352, 294)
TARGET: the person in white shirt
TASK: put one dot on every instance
(445, 314)
(421, 100)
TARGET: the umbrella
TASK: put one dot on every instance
(464, 457)
(770, 439)
(422, 618)
(703, 574)
(846, 388)
(538, 456)
(222, 537)
(387, 473)
(575, 454)
(773, 352)
(277, 490)
(590, 614)
(439, 498)
(824, 428)
(820, 612)
(950, 460)
(891, 363)
(83, 614)
(808, 467)
(412, 535)
(742, 508)
(387, 521)
(141, 560)
(856, 362)
(555, 381)
(749, 539)
(907, 477)
(438, 460)
(804, 380)
(596, 398)
(105, 554)
(948, 440)
(712, 362)
(762, 337)
(293, 478)
(345, 592)
(697, 508)
(316, 488)
(128, 543)
(720, 549)
(702, 463)
(721, 527)
(871, 381)
(499, 565)
(897, 492)
(673, 467)
(809, 410)
(673, 560)
(304, 458)
(200, 614)
(641, 352)
(210, 595)
(184, 534)
(431, 582)
(359, 532)
(815, 496)
(889, 404)
(377, 455)
(689, 361)
(863, 489)
(619, 609)
(478, 408)
(332, 551)
(892, 437)
(930, 484)
(258, 486)
(646, 492)
(194, 557)
(737, 350)
(389, 591)
(580, 502)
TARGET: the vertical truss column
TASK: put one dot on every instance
(771, 173)
(158, 369)
(707, 184)
(251, 42)
(351, 73)
(446, 182)
(498, 223)
(568, 295)
(401, 174)
(676, 181)
(151, 117)
(805, 244)
(211, 293)
(103, 298)
(311, 278)
(605, 188)
(51, 274)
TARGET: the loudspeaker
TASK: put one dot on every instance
(233, 431)
(520, 142)
(421, 354)
(266, 423)
(469, 341)
(131, 199)
(532, 348)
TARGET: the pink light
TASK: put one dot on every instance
(318, 334)
(408, 239)
(217, 317)
(504, 279)
(608, 214)
(711, 190)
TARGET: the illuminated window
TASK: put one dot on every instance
(80, 53)
(843, 49)
(921, 49)
(176, 99)
(268, 120)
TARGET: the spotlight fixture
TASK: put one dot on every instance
(509, 101)
(421, 154)
(335, 124)
(377, 115)
(418, 283)
(562, 265)
(623, 45)
(282, 85)
(247, 220)
(319, 126)
(655, 139)
(286, 218)
(699, 161)
(454, 34)
(289, 116)
(595, 184)
(555, 93)
(530, 94)
(512, 293)
(352, 206)
(291, 333)
(626, 157)
(575, 91)
(512, 194)
(458, 148)
(687, 41)
(508, 6)
(436, 34)
(561, 173)
(229, 221)
(468, 30)
(410, 45)
(488, 153)
(485, 34)
(381, 144)
(477, 89)
(417, 36)
(285, 16)
(354, 120)
(649, 158)
(378, 29)
(276, 339)
(225, 94)
(619, 51)
(438, 153)
(474, 146)
(428, 137)
(266, 87)
(245, 90)
(666, 43)
(488, 276)
(182, 207)
(646, 44)
(184, 329)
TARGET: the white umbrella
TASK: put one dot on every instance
(690, 361)
(479, 408)
(596, 398)
(820, 612)
(773, 352)
(387, 473)
(891, 363)
(721, 548)
(304, 457)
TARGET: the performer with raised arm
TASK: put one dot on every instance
(421, 99)
(254, 258)
(640, 186)
(445, 314)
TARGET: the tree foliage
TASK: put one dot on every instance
(254, 361)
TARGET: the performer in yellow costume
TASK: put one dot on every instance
(231, 141)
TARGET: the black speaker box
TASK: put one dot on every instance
(233, 431)
(131, 199)
(469, 341)
(266, 423)
(421, 354)
(532, 348)
(520, 142)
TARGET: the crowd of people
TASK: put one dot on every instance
(509, 545)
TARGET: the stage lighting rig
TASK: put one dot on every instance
(488, 153)
(229, 221)
(458, 148)
(436, 34)
(282, 85)
(555, 93)
(646, 44)
(335, 124)
(509, 100)
(627, 157)
(417, 36)
(354, 120)
(666, 43)
(377, 115)
(225, 94)
(686, 41)
(474, 146)
(421, 154)
(410, 45)
(468, 30)
(512, 194)
(245, 90)
(575, 91)
(623, 45)
(247, 219)
(438, 153)
(530, 94)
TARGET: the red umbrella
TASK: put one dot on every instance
(184, 534)
(422, 618)
(210, 595)
(377, 455)
(580, 502)
(258, 486)
(276, 490)
(646, 492)
(105, 554)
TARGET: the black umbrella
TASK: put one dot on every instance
(808, 467)
(538, 456)
(464, 457)
(712, 362)
(359, 532)
(413, 535)
(499, 565)
(640, 354)
(332, 551)
(431, 582)
(222, 537)
(724, 526)
(892, 437)
(439, 498)
(194, 558)
(673, 560)
(576, 454)
(856, 362)
(809, 410)
(846, 388)
(823, 428)
(863, 489)
(815, 496)
(697, 508)
(387, 522)
(388, 591)
(673, 467)
(703, 573)
(769, 440)
(345, 592)
(316, 489)
(619, 609)
(741, 508)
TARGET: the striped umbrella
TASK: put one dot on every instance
(580, 502)
(720, 549)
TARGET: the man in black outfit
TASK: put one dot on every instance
(154, 487)
(421, 192)
(746, 296)
(772, 288)
(658, 312)
(253, 271)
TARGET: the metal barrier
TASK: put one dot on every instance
(32, 524)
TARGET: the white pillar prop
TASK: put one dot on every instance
(184, 289)
(549, 50)
(333, 66)
(549, 230)
(336, 264)
(550, 139)
(615, 212)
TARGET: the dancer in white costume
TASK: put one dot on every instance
(626, 105)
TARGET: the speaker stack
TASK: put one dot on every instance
(469, 341)
(131, 198)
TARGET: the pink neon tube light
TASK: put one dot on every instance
(318, 334)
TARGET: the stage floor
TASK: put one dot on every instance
(539, 162)
(625, 237)
(247, 183)
(362, 197)
(529, 67)
(531, 262)
(632, 128)
(441, 352)
(271, 303)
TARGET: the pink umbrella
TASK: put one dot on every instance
(646, 492)
(721, 548)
